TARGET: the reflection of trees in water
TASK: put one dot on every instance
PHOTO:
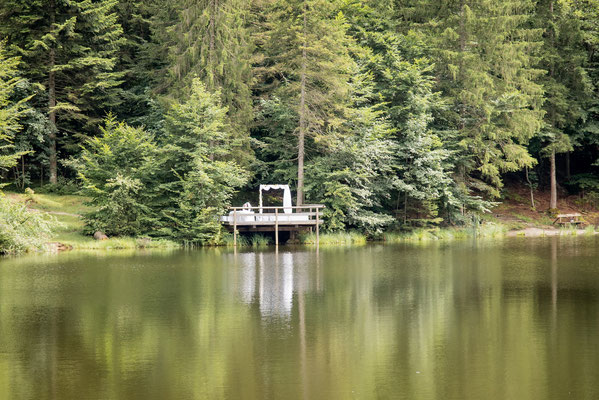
(348, 322)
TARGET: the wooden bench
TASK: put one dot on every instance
(569, 219)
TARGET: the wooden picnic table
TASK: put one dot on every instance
(569, 219)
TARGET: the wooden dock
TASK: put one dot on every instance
(274, 219)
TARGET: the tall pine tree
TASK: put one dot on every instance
(486, 68)
(568, 89)
(308, 68)
(69, 47)
(210, 40)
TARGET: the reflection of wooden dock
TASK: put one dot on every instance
(274, 219)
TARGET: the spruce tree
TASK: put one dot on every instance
(402, 79)
(486, 68)
(308, 66)
(200, 173)
(70, 48)
(11, 110)
(209, 40)
(567, 87)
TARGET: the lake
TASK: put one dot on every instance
(507, 319)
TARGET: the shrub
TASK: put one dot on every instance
(22, 230)
(118, 170)
(64, 186)
(122, 213)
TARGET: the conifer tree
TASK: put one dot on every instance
(402, 79)
(568, 89)
(200, 173)
(70, 48)
(209, 40)
(138, 60)
(10, 110)
(308, 64)
(486, 67)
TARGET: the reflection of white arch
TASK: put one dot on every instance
(247, 274)
(279, 278)
(276, 285)
(286, 196)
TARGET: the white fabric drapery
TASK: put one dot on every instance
(286, 196)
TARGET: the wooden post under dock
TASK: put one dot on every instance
(276, 226)
(235, 228)
(269, 219)
(317, 228)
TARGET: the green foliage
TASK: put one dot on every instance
(174, 189)
(209, 40)
(584, 182)
(117, 171)
(485, 55)
(69, 51)
(309, 37)
(587, 186)
(260, 241)
(10, 110)
(85, 37)
(351, 177)
(202, 176)
(64, 186)
(22, 230)
(394, 114)
(340, 238)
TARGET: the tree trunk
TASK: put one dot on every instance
(212, 34)
(532, 195)
(302, 122)
(553, 203)
(211, 68)
(23, 172)
(405, 209)
(52, 104)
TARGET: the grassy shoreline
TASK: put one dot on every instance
(65, 212)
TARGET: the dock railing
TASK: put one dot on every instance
(304, 215)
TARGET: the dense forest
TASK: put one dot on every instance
(392, 113)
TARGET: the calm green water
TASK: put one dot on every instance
(517, 319)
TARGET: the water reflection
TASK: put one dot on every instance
(271, 279)
(514, 319)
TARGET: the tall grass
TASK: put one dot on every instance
(260, 241)
(247, 241)
(340, 238)
(242, 241)
(491, 230)
(119, 243)
(486, 230)
(589, 230)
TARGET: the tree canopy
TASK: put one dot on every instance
(392, 113)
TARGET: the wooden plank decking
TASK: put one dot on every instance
(269, 219)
